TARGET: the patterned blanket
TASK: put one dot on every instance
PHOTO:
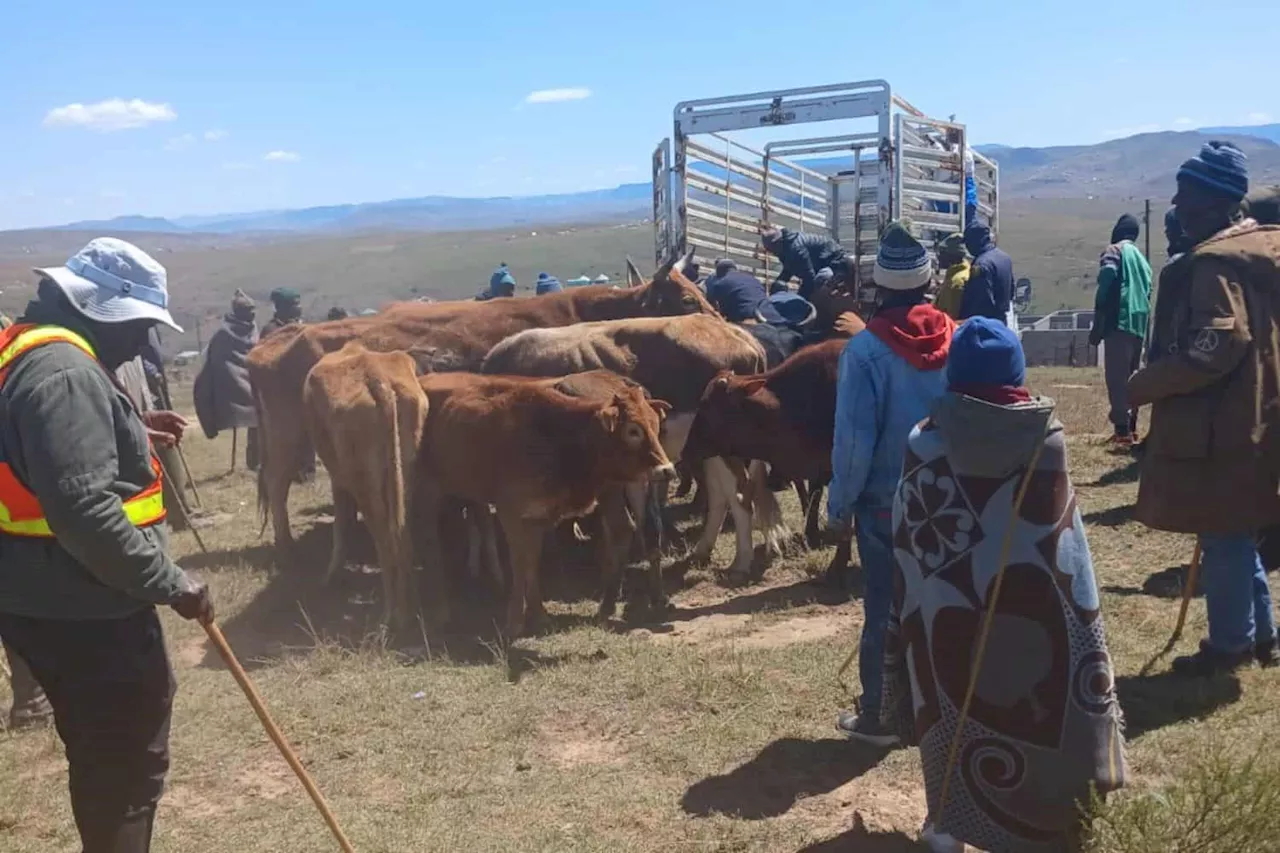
(1044, 724)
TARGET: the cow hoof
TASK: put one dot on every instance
(698, 558)
(606, 611)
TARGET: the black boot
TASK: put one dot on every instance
(1264, 653)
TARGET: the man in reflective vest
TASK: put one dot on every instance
(83, 560)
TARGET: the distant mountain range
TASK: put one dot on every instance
(1138, 166)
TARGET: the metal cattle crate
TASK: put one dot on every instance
(712, 191)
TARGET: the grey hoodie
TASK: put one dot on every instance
(986, 440)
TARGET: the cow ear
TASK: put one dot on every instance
(609, 417)
(662, 407)
(752, 386)
(634, 279)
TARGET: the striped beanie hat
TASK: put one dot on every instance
(902, 262)
(1220, 167)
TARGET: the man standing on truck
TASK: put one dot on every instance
(816, 260)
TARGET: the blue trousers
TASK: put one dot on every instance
(875, 554)
(1237, 596)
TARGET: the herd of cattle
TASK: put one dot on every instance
(544, 410)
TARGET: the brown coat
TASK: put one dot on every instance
(1212, 462)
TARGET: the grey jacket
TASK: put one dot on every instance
(76, 441)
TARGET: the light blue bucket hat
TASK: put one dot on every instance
(113, 281)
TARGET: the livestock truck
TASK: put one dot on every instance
(714, 184)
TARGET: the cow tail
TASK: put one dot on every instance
(264, 505)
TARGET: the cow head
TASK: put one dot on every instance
(670, 292)
(626, 438)
(736, 415)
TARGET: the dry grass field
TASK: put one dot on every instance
(710, 731)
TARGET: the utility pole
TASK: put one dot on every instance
(1146, 227)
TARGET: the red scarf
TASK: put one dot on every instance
(1000, 395)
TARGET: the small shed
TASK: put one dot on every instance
(600, 279)
(579, 281)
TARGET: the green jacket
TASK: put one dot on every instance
(1123, 302)
(75, 440)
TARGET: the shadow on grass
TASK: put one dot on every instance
(1155, 701)
(1130, 472)
(1116, 516)
(773, 598)
(783, 772)
(1166, 583)
(861, 840)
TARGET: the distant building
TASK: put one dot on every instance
(579, 281)
(600, 279)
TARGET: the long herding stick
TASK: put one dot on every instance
(242, 678)
(182, 507)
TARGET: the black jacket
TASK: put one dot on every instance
(990, 288)
(802, 255)
(739, 295)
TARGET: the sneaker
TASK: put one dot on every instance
(863, 728)
(1265, 653)
(939, 842)
(1209, 662)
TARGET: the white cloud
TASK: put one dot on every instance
(180, 143)
(215, 135)
(1259, 117)
(110, 115)
(281, 157)
(555, 96)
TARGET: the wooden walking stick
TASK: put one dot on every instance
(182, 507)
(191, 481)
(1188, 592)
(242, 678)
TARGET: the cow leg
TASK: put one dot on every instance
(741, 512)
(280, 439)
(646, 506)
(765, 512)
(616, 531)
(489, 540)
(717, 475)
(524, 542)
(474, 537)
(802, 492)
(344, 518)
(812, 522)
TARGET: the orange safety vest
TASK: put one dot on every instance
(20, 513)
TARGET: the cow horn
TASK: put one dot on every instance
(684, 261)
(634, 278)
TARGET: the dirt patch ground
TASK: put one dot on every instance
(711, 730)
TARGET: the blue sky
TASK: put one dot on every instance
(197, 108)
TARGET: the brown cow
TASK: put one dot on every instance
(673, 358)
(785, 417)
(365, 412)
(537, 454)
(442, 336)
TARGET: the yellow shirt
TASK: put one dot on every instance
(951, 291)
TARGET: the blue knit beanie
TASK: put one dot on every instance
(547, 284)
(985, 352)
(1221, 167)
(902, 262)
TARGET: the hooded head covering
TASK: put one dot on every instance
(1127, 228)
(902, 262)
(283, 297)
(242, 307)
(724, 266)
(547, 283)
(986, 361)
(1264, 205)
(951, 250)
(977, 238)
(1219, 167)
(496, 277)
(111, 281)
(771, 237)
